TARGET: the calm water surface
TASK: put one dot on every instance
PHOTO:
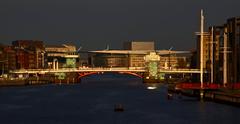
(92, 102)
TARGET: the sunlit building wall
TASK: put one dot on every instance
(222, 40)
(64, 55)
(7, 59)
(137, 60)
(139, 45)
(29, 54)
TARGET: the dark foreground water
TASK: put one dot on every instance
(92, 102)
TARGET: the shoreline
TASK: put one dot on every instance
(223, 96)
(9, 83)
(36, 81)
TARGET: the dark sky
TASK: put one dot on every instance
(95, 23)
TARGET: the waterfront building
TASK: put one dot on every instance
(29, 54)
(61, 56)
(211, 53)
(215, 52)
(137, 60)
(233, 38)
(110, 60)
(174, 61)
(222, 52)
(121, 58)
(7, 59)
(206, 41)
(139, 45)
(133, 56)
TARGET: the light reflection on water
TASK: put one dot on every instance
(92, 102)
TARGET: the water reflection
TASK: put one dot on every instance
(153, 86)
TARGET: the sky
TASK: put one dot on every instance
(94, 24)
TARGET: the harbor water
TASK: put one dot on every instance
(93, 100)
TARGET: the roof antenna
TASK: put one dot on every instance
(79, 48)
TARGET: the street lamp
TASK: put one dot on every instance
(169, 57)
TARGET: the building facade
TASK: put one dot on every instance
(233, 38)
(137, 60)
(29, 54)
(222, 52)
(133, 57)
(7, 59)
(110, 60)
(61, 56)
(139, 45)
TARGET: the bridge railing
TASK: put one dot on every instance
(179, 71)
(111, 68)
(102, 69)
(77, 69)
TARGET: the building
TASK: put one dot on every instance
(29, 54)
(137, 60)
(7, 59)
(206, 46)
(110, 60)
(174, 61)
(139, 45)
(227, 53)
(211, 53)
(215, 50)
(233, 43)
(61, 56)
(222, 52)
(134, 57)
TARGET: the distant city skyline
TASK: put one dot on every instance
(93, 24)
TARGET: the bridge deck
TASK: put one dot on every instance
(42, 71)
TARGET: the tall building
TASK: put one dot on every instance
(233, 42)
(215, 50)
(227, 51)
(222, 52)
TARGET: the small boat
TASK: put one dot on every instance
(118, 108)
